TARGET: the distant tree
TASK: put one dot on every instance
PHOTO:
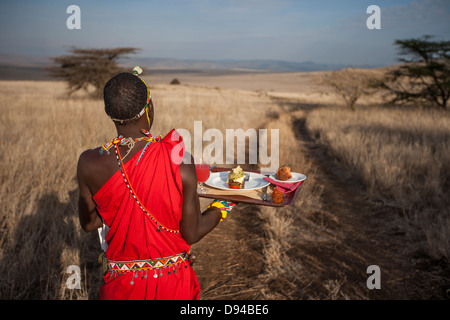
(350, 84)
(424, 74)
(175, 81)
(88, 69)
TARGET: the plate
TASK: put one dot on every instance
(296, 177)
(219, 180)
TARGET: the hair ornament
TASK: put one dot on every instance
(137, 70)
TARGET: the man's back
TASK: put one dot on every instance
(98, 167)
(142, 206)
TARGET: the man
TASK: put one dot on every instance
(145, 196)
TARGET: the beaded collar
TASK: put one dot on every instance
(120, 140)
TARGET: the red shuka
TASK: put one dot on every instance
(155, 177)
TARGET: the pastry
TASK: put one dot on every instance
(284, 173)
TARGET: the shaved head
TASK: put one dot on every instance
(125, 95)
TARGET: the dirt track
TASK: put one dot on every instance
(353, 233)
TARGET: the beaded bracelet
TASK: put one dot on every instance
(219, 206)
(224, 207)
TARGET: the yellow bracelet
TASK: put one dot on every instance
(219, 206)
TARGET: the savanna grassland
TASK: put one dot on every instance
(376, 192)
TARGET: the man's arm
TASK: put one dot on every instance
(89, 218)
(194, 224)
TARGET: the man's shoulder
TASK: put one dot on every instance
(89, 159)
(90, 155)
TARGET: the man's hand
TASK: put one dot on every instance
(224, 206)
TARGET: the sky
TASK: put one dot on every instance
(321, 31)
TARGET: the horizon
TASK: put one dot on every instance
(323, 32)
(34, 67)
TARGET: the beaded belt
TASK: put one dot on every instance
(160, 265)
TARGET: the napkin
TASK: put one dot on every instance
(285, 187)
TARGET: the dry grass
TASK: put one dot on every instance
(42, 137)
(402, 156)
(179, 106)
(43, 134)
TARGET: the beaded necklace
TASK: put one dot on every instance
(121, 141)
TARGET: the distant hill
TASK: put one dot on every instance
(23, 60)
(249, 65)
(21, 67)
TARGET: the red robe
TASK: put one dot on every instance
(132, 235)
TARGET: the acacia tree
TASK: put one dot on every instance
(424, 74)
(88, 68)
(350, 84)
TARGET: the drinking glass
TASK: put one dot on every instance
(203, 172)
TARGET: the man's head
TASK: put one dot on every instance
(125, 96)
